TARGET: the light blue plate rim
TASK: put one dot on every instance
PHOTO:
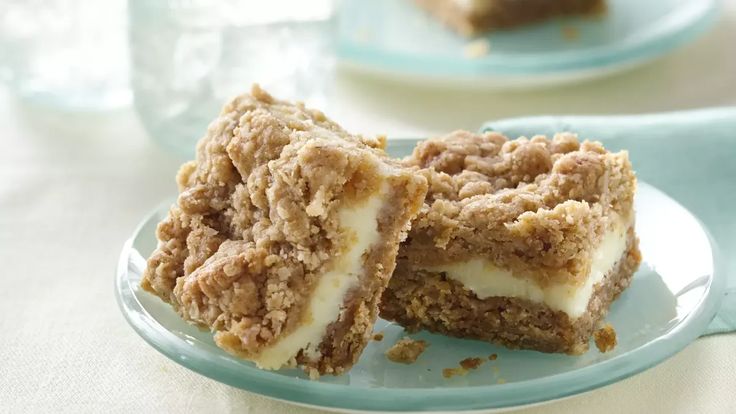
(342, 397)
(681, 27)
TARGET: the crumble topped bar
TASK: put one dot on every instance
(284, 235)
(471, 17)
(521, 242)
(535, 206)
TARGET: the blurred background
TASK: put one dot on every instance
(178, 61)
(381, 67)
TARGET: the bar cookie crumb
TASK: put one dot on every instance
(451, 372)
(570, 33)
(471, 363)
(477, 49)
(406, 350)
(605, 338)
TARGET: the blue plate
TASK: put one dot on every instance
(395, 37)
(673, 297)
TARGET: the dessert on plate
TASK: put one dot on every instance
(284, 235)
(471, 17)
(524, 242)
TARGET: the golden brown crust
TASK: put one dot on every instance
(537, 207)
(256, 224)
(499, 14)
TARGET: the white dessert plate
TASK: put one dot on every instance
(671, 300)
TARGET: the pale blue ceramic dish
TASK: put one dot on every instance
(673, 297)
(396, 38)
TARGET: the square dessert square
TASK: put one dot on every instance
(524, 242)
(284, 235)
(470, 17)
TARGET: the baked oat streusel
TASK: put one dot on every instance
(284, 235)
(511, 240)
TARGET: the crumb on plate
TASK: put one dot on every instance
(471, 363)
(406, 350)
(570, 33)
(493, 357)
(605, 338)
(477, 48)
(451, 372)
(378, 336)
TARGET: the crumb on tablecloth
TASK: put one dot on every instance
(605, 338)
(493, 357)
(406, 350)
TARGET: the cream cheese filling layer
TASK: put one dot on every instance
(486, 280)
(328, 296)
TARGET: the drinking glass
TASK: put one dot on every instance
(70, 54)
(190, 56)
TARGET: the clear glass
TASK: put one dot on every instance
(673, 297)
(191, 56)
(70, 54)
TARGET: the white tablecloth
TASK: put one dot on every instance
(73, 187)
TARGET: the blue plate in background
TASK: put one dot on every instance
(396, 38)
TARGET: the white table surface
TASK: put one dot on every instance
(73, 187)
